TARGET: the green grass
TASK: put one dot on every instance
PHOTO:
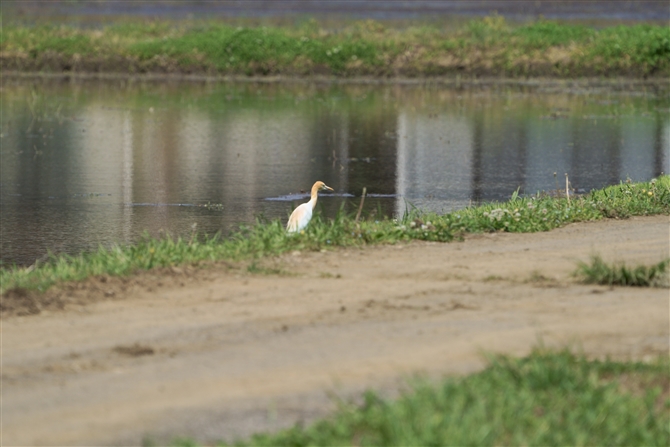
(544, 34)
(547, 398)
(267, 238)
(599, 272)
(487, 46)
(640, 47)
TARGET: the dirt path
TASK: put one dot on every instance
(223, 353)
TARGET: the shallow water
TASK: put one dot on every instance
(89, 163)
(639, 10)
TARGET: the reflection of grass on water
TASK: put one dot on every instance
(270, 238)
(488, 46)
(547, 398)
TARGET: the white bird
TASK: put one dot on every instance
(301, 216)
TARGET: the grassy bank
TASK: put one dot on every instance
(547, 398)
(482, 47)
(519, 214)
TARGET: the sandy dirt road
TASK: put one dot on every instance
(220, 353)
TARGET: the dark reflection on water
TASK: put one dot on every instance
(93, 163)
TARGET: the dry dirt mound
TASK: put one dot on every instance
(219, 353)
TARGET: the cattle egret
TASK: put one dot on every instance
(301, 216)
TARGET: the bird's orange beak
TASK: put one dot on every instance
(327, 188)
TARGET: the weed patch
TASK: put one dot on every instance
(599, 272)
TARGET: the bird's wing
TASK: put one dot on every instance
(299, 218)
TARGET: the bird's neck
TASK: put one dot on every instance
(312, 201)
(315, 196)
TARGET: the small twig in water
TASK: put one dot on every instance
(360, 206)
(556, 182)
(194, 229)
(567, 192)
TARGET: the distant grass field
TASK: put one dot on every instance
(548, 399)
(267, 238)
(480, 47)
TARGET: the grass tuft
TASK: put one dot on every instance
(599, 272)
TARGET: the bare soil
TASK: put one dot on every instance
(219, 352)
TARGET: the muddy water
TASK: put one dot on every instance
(90, 163)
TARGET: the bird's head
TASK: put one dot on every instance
(320, 186)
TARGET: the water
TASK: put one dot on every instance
(639, 10)
(88, 162)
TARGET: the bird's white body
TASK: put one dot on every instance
(301, 216)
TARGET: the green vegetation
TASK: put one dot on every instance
(547, 398)
(599, 272)
(489, 46)
(520, 214)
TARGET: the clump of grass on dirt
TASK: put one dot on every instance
(488, 46)
(267, 238)
(547, 398)
(600, 272)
